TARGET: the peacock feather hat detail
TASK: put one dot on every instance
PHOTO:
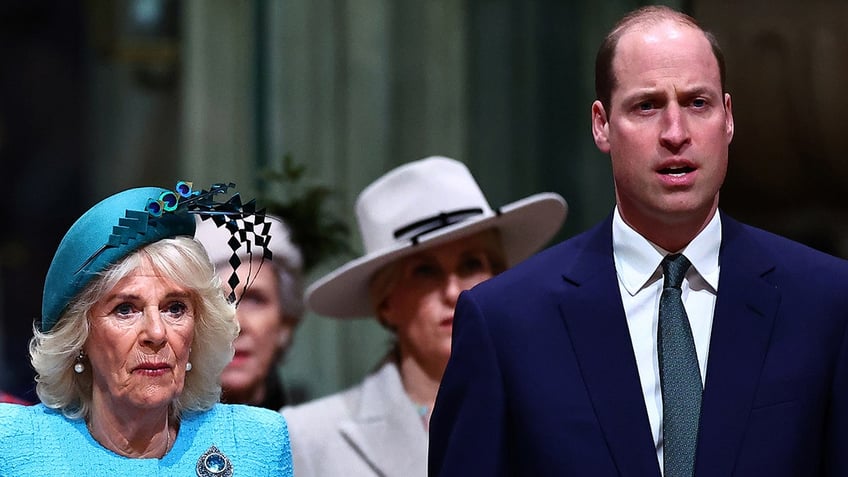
(127, 221)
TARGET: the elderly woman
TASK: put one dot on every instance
(429, 234)
(135, 331)
(268, 312)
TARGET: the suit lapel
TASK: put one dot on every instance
(596, 323)
(744, 315)
(386, 415)
(743, 319)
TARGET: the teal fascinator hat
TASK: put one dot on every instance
(127, 221)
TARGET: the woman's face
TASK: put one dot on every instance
(421, 304)
(262, 336)
(139, 341)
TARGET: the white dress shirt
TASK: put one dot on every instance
(637, 264)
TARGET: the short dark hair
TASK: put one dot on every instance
(605, 80)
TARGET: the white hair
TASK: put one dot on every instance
(181, 259)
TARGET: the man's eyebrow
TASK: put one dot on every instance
(640, 94)
(699, 89)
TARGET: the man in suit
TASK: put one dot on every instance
(558, 367)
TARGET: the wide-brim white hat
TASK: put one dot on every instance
(420, 205)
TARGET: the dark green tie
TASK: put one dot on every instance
(680, 376)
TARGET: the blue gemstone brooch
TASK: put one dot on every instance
(213, 463)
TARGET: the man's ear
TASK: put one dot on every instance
(600, 127)
(728, 117)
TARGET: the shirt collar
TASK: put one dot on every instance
(637, 260)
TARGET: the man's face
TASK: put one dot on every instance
(668, 128)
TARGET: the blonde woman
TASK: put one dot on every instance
(134, 334)
(428, 235)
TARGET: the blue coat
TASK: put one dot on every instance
(542, 378)
(38, 441)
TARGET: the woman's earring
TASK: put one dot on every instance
(188, 366)
(79, 367)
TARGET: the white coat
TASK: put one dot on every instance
(372, 429)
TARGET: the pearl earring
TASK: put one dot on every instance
(188, 366)
(79, 367)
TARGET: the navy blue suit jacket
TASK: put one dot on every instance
(542, 379)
